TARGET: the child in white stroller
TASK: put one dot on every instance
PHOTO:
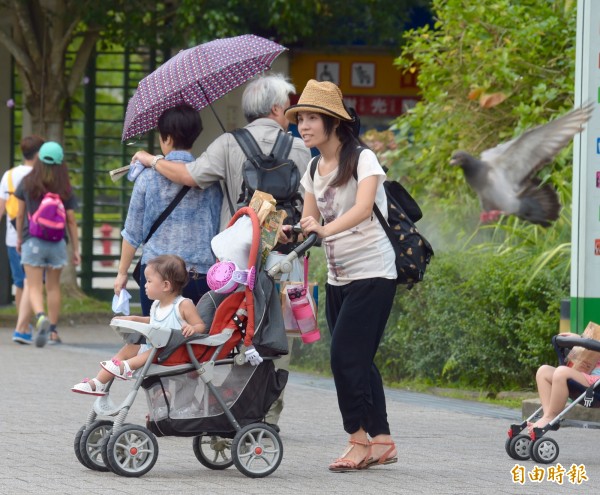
(203, 386)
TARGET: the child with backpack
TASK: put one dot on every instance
(30, 145)
(46, 212)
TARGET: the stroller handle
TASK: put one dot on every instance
(562, 344)
(285, 265)
(310, 241)
(568, 342)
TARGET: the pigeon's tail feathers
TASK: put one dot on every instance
(539, 204)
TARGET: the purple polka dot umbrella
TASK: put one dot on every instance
(197, 76)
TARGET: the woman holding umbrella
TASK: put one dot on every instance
(188, 228)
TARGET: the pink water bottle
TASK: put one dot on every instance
(303, 312)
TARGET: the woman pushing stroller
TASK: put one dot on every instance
(341, 188)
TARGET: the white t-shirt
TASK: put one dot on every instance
(363, 251)
(18, 173)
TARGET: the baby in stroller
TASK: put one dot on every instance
(577, 378)
(552, 383)
(166, 276)
(216, 387)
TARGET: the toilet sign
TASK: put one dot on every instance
(585, 231)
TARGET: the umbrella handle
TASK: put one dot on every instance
(212, 108)
(217, 117)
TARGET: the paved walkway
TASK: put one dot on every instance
(445, 446)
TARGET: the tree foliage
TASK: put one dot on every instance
(52, 40)
(306, 23)
(488, 70)
(522, 49)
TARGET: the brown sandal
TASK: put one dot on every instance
(384, 458)
(343, 465)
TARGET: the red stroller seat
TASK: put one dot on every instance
(175, 353)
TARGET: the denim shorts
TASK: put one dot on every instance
(18, 274)
(38, 252)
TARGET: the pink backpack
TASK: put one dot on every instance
(49, 220)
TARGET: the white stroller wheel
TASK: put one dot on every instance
(257, 450)
(544, 450)
(90, 444)
(132, 451)
(519, 447)
(213, 451)
(76, 446)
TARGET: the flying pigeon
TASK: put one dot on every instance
(505, 178)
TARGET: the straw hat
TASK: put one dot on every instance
(320, 97)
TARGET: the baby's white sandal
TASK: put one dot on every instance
(85, 387)
(114, 368)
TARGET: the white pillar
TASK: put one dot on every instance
(585, 234)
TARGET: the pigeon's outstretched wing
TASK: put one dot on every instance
(524, 156)
(505, 179)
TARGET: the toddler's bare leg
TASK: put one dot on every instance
(543, 379)
(560, 392)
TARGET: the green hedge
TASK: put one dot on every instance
(477, 321)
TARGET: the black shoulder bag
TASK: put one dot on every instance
(156, 224)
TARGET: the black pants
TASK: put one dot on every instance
(357, 314)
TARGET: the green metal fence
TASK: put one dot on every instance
(93, 147)
(111, 80)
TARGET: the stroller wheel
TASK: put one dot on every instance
(213, 452)
(90, 444)
(507, 446)
(544, 450)
(519, 447)
(257, 450)
(132, 451)
(76, 446)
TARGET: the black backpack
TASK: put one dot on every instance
(274, 173)
(413, 251)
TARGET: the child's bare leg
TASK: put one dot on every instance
(136, 362)
(543, 379)
(559, 393)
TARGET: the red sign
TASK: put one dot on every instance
(376, 106)
(380, 106)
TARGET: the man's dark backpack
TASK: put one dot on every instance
(413, 251)
(274, 173)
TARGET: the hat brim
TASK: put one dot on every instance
(291, 112)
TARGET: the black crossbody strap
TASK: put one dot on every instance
(384, 224)
(247, 142)
(313, 166)
(376, 210)
(226, 193)
(283, 145)
(315, 161)
(183, 191)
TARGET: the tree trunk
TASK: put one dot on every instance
(42, 33)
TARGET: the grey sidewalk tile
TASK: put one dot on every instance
(445, 446)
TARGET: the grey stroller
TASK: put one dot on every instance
(521, 445)
(215, 397)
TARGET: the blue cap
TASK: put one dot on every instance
(51, 153)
